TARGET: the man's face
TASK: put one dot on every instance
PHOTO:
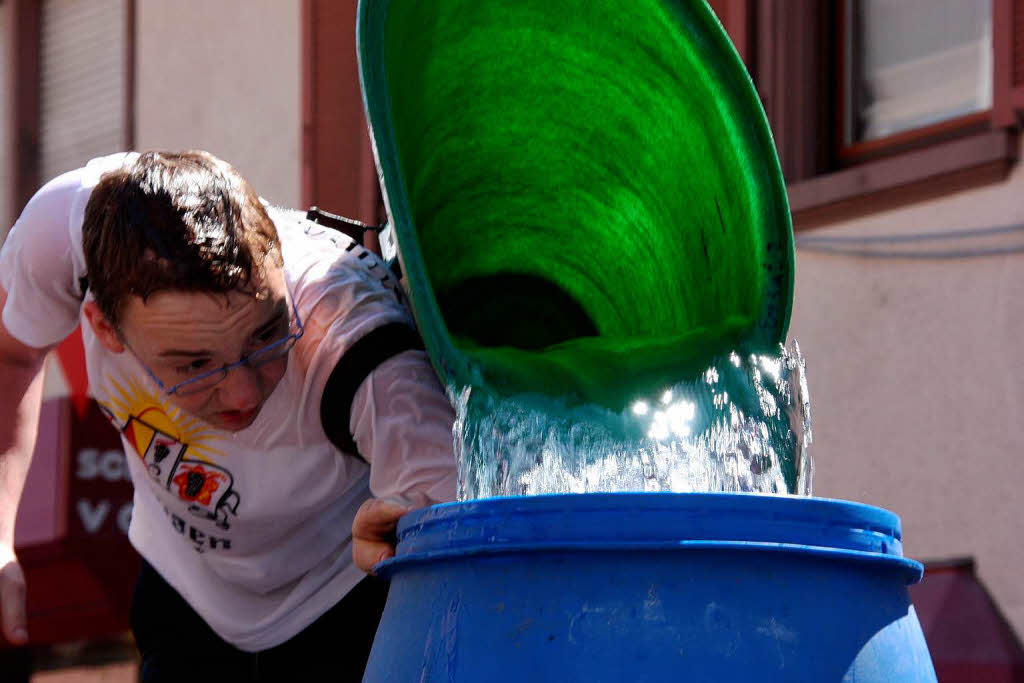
(180, 335)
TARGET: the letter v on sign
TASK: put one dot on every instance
(93, 517)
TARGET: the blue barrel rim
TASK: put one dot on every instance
(678, 522)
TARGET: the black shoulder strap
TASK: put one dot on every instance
(355, 366)
(353, 228)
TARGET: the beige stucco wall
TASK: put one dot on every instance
(916, 374)
(224, 76)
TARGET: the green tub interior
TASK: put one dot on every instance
(586, 195)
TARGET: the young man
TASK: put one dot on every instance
(265, 379)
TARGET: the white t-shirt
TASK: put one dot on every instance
(252, 528)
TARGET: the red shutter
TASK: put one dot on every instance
(1018, 43)
(737, 19)
(1008, 62)
(23, 108)
(796, 77)
(5, 100)
(338, 169)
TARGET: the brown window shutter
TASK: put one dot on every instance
(1018, 43)
(5, 100)
(82, 82)
(737, 17)
(795, 76)
(1008, 62)
(338, 168)
(23, 108)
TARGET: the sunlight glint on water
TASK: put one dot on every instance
(743, 425)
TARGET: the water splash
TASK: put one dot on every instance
(743, 425)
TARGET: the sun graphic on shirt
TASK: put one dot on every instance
(152, 414)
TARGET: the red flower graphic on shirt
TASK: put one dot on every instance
(196, 483)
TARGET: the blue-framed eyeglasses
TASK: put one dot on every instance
(207, 380)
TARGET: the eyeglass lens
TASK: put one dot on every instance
(255, 359)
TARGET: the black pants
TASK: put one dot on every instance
(177, 645)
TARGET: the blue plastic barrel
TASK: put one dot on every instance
(650, 587)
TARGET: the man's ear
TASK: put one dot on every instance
(104, 331)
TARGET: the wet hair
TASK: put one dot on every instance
(182, 221)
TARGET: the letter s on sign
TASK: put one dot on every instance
(109, 464)
(87, 463)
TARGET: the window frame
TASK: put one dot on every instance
(796, 78)
(849, 154)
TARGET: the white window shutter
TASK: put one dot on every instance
(82, 84)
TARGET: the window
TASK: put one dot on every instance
(913, 63)
(879, 102)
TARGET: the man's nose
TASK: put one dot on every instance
(241, 389)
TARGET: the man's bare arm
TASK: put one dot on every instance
(21, 376)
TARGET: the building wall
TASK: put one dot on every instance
(917, 380)
(223, 76)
